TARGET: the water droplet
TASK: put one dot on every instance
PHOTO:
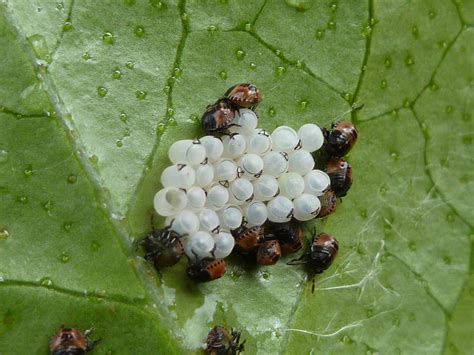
(47, 206)
(383, 190)
(64, 257)
(177, 72)
(108, 38)
(434, 87)
(265, 275)
(447, 260)
(212, 29)
(396, 321)
(223, 75)
(123, 117)
(71, 179)
(184, 17)
(4, 233)
(394, 155)
(129, 64)
(170, 112)
(319, 34)
(156, 4)
(414, 31)
(409, 60)
(117, 74)
(363, 213)
(240, 54)
(331, 25)
(139, 31)
(299, 64)
(333, 7)
(67, 226)
(28, 171)
(369, 313)
(303, 104)
(167, 89)
(253, 66)
(412, 246)
(172, 122)
(86, 56)
(280, 70)
(160, 128)
(22, 199)
(388, 62)
(449, 109)
(248, 27)
(140, 94)
(300, 5)
(119, 143)
(94, 159)
(443, 44)
(59, 6)
(95, 246)
(432, 14)
(67, 26)
(101, 91)
(406, 103)
(194, 118)
(3, 156)
(346, 96)
(126, 132)
(46, 281)
(383, 84)
(450, 217)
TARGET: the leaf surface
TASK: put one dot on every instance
(92, 94)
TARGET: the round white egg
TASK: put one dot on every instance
(316, 182)
(275, 163)
(301, 162)
(265, 187)
(169, 201)
(181, 176)
(307, 207)
(311, 137)
(285, 139)
(291, 185)
(280, 209)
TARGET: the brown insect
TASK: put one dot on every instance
(244, 95)
(70, 341)
(321, 254)
(269, 251)
(340, 138)
(247, 239)
(218, 116)
(163, 247)
(290, 235)
(220, 342)
(340, 173)
(206, 269)
(328, 204)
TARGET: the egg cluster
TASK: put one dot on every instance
(246, 188)
(248, 176)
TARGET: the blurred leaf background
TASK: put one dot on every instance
(92, 93)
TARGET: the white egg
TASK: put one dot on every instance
(265, 187)
(255, 213)
(285, 139)
(316, 182)
(240, 191)
(307, 207)
(224, 244)
(275, 163)
(226, 171)
(291, 185)
(246, 121)
(187, 151)
(234, 145)
(181, 176)
(311, 137)
(184, 222)
(280, 209)
(217, 197)
(301, 162)
(209, 220)
(196, 198)
(213, 146)
(204, 175)
(230, 217)
(169, 201)
(251, 165)
(259, 142)
(199, 245)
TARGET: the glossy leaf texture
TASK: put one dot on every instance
(92, 94)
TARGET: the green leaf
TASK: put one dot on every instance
(93, 93)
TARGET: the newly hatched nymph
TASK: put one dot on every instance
(321, 254)
(163, 247)
(206, 269)
(70, 341)
(218, 116)
(244, 95)
(340, 138)
(247, 239)
(340, 174)
(222, 342)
